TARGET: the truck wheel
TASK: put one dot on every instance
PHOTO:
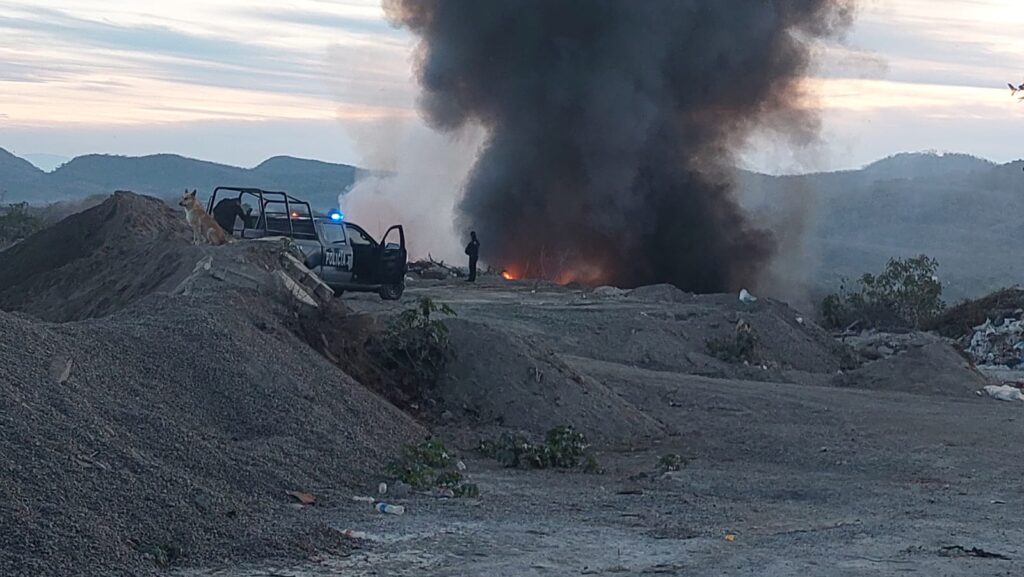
(392, 292)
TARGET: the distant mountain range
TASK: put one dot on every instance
(967, 212)
(964, 211)
(166, 175)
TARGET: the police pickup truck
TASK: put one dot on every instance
(341, 253)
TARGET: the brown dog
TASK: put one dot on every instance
(203, 225)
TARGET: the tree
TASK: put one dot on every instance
(906, 295)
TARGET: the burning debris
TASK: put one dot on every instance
(613, 125)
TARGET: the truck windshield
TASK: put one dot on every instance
(333, 233)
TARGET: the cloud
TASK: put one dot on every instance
(376, 27)
(161, 51)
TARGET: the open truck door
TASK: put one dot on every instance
(393, 263)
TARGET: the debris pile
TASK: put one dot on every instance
(1000, 345)
(961, 320)
(430, 269)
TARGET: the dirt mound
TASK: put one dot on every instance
(959, 321)
(931, 369)
(660, 293)
(172, 420)
(180, 423)
(674, 335)
(517, 383)
(98, 261)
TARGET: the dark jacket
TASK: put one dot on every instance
(225, 213)
(473, 249)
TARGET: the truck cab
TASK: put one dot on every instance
(341, 253)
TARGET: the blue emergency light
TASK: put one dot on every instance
(336, 215)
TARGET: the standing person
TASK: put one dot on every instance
(227, 211)
(473, 251)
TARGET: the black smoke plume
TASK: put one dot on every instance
(613, 125)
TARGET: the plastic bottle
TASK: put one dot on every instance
(390, 509)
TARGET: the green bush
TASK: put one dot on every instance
(416, 348)
(429, 465)
(16, 223)
(906, 295)
(563, 448)
(670, 463)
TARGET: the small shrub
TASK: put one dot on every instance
(429, 465)
(164, 556)
(670, 463)
(907, 294)
(423, 466)
(591, 466)
(563, 448)
(738, 348)
(415, 349)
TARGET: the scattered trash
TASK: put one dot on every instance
(998, 345)
(306, 499)
(431, 269)
(997, 502)
(359, 499)
(799, 320)
(1004, 392)
(390, 509)
(350, 534)
(730, 537)
(444, 493)
(960, 551)
(746, 297)
(382, 489)
(460, 466)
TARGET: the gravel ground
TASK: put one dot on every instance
(175, 418)
(804, 480)
(172, 425)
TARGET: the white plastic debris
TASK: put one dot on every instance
(746, 297)
(1004, 393)
(382, 489)
(998, 345)
(390, 509)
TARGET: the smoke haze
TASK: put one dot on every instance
(416, 177)
(612, 126)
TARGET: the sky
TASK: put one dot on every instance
(237, 81)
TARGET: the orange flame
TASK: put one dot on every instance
(507, 275)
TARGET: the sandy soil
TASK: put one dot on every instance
(808, 474)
